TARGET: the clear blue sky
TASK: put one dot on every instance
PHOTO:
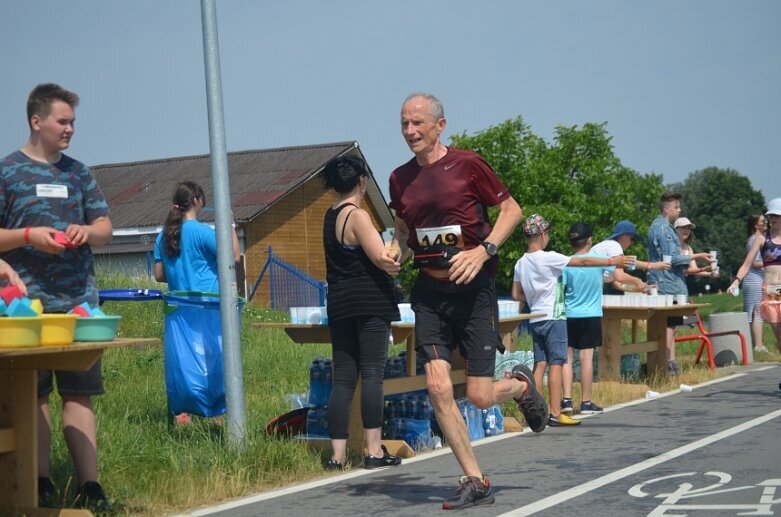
(682, 84)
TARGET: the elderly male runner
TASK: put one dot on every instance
(441, 197)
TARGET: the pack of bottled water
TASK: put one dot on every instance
(481, 423)
(505, 362)
(320, 381)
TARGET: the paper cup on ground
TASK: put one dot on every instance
(651, 394)
(685, 388)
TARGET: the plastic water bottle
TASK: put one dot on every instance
(315, 384)
(327, 380)
(323, 421)
(427, 411)
(313, 422)
(475, 422)
(489, 422)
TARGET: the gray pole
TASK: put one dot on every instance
(231, 334)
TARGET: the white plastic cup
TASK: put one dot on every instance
(735, 291)
(714, 254)
(680, 299)
(650, 394)
(633, 265)
(667, 259)
(685, 388)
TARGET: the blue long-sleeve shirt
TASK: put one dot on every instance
(663, 240)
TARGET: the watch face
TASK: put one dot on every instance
(490, 248)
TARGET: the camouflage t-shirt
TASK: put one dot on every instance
(42, 194)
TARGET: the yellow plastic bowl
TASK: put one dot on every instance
(20, 332)
(57, 329)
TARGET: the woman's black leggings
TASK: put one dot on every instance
(360, 345)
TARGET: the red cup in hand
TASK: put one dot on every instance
(61, 238)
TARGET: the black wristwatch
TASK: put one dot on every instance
(490, 248)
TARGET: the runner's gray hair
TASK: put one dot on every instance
(436, 106)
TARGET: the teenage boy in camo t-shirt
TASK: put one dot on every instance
(43, 191)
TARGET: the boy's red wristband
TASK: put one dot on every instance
(27, 235)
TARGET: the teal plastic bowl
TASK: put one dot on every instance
(96, 328)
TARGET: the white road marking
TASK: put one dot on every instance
(566, 495)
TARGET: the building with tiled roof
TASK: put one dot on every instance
(276, 196)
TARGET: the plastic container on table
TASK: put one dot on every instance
(96, 328)
(20, 332)
(57, 329)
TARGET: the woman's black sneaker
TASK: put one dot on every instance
(472, 491)
(387, 460)
(47, 493)
(91, 496)
(334, 465)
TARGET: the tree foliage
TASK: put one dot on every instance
(719, 201)
(577, 177)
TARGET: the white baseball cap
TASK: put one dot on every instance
(684, 221)
(774, 207)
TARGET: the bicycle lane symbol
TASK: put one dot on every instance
(677, 500)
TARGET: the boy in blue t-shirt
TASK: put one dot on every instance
(583, 302)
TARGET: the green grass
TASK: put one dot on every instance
(153, 468)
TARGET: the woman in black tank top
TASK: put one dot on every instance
(361, 305)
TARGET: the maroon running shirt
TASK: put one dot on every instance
(446, 202)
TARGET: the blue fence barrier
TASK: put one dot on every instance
(289, 286)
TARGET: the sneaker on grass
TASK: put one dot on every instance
(589, 408)
(566, 406)
(531, 403)
(562, 420)
(47, 493)
(472, 491)
(91, 497)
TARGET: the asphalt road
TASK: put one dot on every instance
(713, 451)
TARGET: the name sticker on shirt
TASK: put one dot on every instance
(448, 235)
(58, 191)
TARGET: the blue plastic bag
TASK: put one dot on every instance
(194, 376)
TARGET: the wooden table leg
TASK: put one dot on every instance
(657, 331)
(610, 351)
(19, 415)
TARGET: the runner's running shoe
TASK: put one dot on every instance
(531, 403)
(472, 491)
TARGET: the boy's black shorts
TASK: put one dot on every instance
(584, 333)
